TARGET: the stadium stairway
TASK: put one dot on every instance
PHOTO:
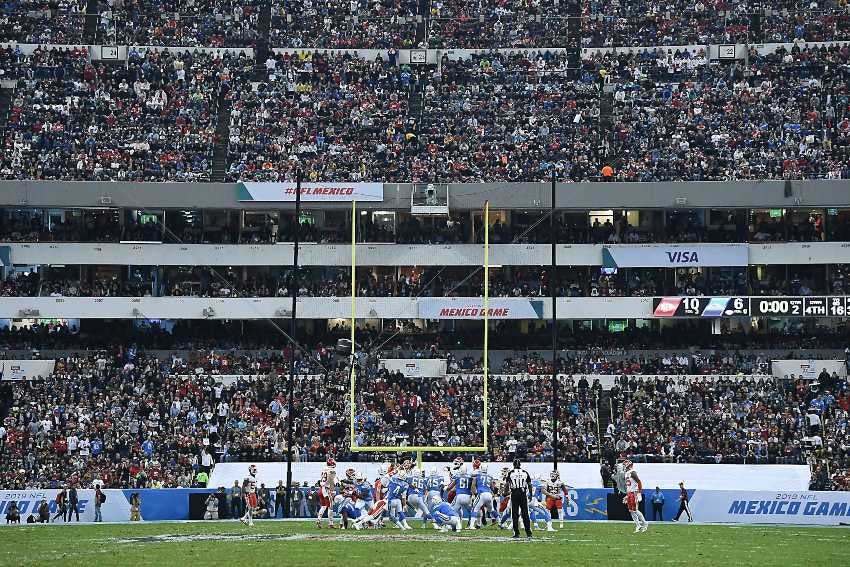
(604, 412)
(262, 49)
(90, 26)
(5, 105)
(606, 120)
(222, 138)
(424, 13)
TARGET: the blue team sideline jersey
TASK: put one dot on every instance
(483, 482)
(463, 484)
(349, 509)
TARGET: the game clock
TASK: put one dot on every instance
(700, 306)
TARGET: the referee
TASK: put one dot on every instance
(520, 482)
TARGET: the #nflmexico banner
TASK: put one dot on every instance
(674, 255)
(473, 308)
(317, 192)
(25, 369)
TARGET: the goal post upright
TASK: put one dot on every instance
(351, 371)
(486, 317)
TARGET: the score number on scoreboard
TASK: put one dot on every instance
(700, 306)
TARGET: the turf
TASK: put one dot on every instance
(300, 543)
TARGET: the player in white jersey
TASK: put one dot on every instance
(554, 490)
(634, 494)
(249, 490)
(327, 491)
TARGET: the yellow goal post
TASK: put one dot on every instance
(419, 449)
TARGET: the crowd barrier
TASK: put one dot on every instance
(707, 506)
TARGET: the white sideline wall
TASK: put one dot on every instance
(578, 475)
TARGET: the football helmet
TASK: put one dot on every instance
(252, 470)
(457, 463)
(483, 467)
(554, 475)
(476, 464)
(350, 474)
(338, 499)
(627, 465)
(433, 471)
(330, 463)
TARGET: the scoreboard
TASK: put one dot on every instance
(769, 306)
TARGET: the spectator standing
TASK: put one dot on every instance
(43, 512)
(99, 499)
(683, 504)
(657, 505)
(236, 500)
(13, 515)
(73, 503)
(62, 505)
(206, 460)
(279, 498)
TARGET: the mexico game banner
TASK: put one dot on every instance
(284, 191)
(473, 308)
(675, 255)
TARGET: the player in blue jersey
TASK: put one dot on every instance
(462, 486)
(359, 518)
(365, 493)
(537, 507)
(397, 497)
(416, 494)
(434, 483)
(482, 494)
(444, 514)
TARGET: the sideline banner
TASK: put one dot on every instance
(738, 507)
(115, 509)
(284, 191)
(473, 308)
(674, 255)
(18, 370)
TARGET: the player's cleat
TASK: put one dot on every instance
(637, 530)
(250, 524)
(528, 537)
(550, 529)
(243, 521)
(644, 528)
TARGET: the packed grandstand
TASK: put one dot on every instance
(148, 276)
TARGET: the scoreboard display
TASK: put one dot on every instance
(700, 306)
(817, 306)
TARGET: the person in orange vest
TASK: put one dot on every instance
(607, 173)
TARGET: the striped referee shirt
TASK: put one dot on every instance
(520, 480)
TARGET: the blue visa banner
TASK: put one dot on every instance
(674, 255)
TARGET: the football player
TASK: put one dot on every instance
(537, 508)
(634, 494)
(348, 510)
(416, 494)
(249, 489)
(444, 514)
(327, 490)
(555, 490)
(482, 491)
(461, 484)
(397, 499)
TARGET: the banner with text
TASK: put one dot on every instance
(322, 192)
(25, 369)
(416, 367)
(115, 509)
(804, 507)
(674, 255)
(473, 308)
(807, 369)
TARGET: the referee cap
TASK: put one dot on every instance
(516, 463)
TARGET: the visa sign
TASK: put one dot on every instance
(667, 255)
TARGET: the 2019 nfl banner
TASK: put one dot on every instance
(285, 191)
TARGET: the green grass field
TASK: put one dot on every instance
(298, 543)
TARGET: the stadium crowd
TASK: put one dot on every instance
(131, 420)
(153, 120)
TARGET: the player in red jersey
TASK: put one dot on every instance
(634, 494)
(249, 489)
(327, 491)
